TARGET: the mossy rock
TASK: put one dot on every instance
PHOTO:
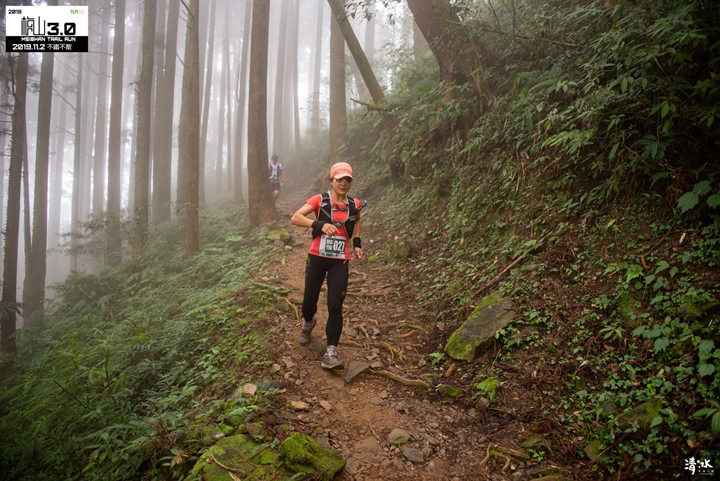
(593, 450)
(537, 442)
(446, 390)
(303, 454)
(690, 310)
(202, 433)
(628, 309)
(477, 333)
(642, 414)
(279, 235)
(401, 250)
(248, 458)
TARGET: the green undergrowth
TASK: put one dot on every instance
(601, 145)
(127, 363)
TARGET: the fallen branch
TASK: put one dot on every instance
(642, 257)
(226, 468)
(402, 380)
(297, 314)
(363, 331)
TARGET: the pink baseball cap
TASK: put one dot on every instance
(341, 169)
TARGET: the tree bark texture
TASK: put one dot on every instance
(142, 155)
(459, 60)
(278, 136)
(243, 64)
(315, 117)
(100, 151)
(56, 174)
(208, 97)
(38, 258)
(338, 108)
(79, 147)
(12, 217)
(192, 233)
(260, 200)
(113, 243)
(222, 107)
(296, 97)
(162, 154)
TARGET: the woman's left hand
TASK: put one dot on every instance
(358, 253)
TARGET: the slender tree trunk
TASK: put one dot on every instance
(162, 157)
(191, 102)
(370, 35)
(260, 200)
(57, 171)
(296, 99)
(12, 217)
(315, 118)
(89, 126)
(278, 136)
(142, 156)
(100, 152)
(38, 258)
(113, 244)
(228, 127)
(78, 147)
(222, 110)
(206, 103)
(182, 167)
(243, 64)
(159, 76)
(338, 112)
(161, 162)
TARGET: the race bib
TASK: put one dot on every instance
(332, 246)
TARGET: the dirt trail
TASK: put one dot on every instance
(356, 418)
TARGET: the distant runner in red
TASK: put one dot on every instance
(338, 221)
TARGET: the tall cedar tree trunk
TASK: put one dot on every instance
(243, 64)
(278, 136)
(78, 148)
(157, 116)
(100, 152)
(225, 57)
(162, 156)
(338, 108)
(208, 97)
(142, 156)
(192, 103)
(296, 97)
(315, 117)
(38, 257)
(260, 200)
(113, 244)
(12, 217)
(370, 82)
(460, 61)
(135, 64)
(370, 35)
(58, 169)
(88, 125)
(229, 102)
(3, 149)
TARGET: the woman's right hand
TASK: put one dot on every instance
(329, 229)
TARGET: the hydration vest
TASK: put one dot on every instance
(325, 214)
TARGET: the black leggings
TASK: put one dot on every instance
(337, 279)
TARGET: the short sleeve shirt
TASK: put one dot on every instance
(338, 216)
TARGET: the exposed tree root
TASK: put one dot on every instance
(402, 380)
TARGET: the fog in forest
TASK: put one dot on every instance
(82, 172)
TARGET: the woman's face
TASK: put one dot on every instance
(342, 185)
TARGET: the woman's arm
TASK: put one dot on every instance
(299, 218)
(356, 233)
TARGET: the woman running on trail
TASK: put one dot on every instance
(338, 220)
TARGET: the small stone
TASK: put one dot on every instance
(353, 392)
(378, 401)
(354, 369)
(482, 405)
(275, 368)
(430, 440)
(398, 436)
(446, 390)
(366, 446)
(298, 382)
(377, 365)
(352, 465)
(427, 451)
(299, 405)
(249, 390)
(288, 248)
(383, 394)
(325, 405)
(413, 455)
(255, 430)
(288, 363)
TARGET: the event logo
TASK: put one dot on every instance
(46, 29)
